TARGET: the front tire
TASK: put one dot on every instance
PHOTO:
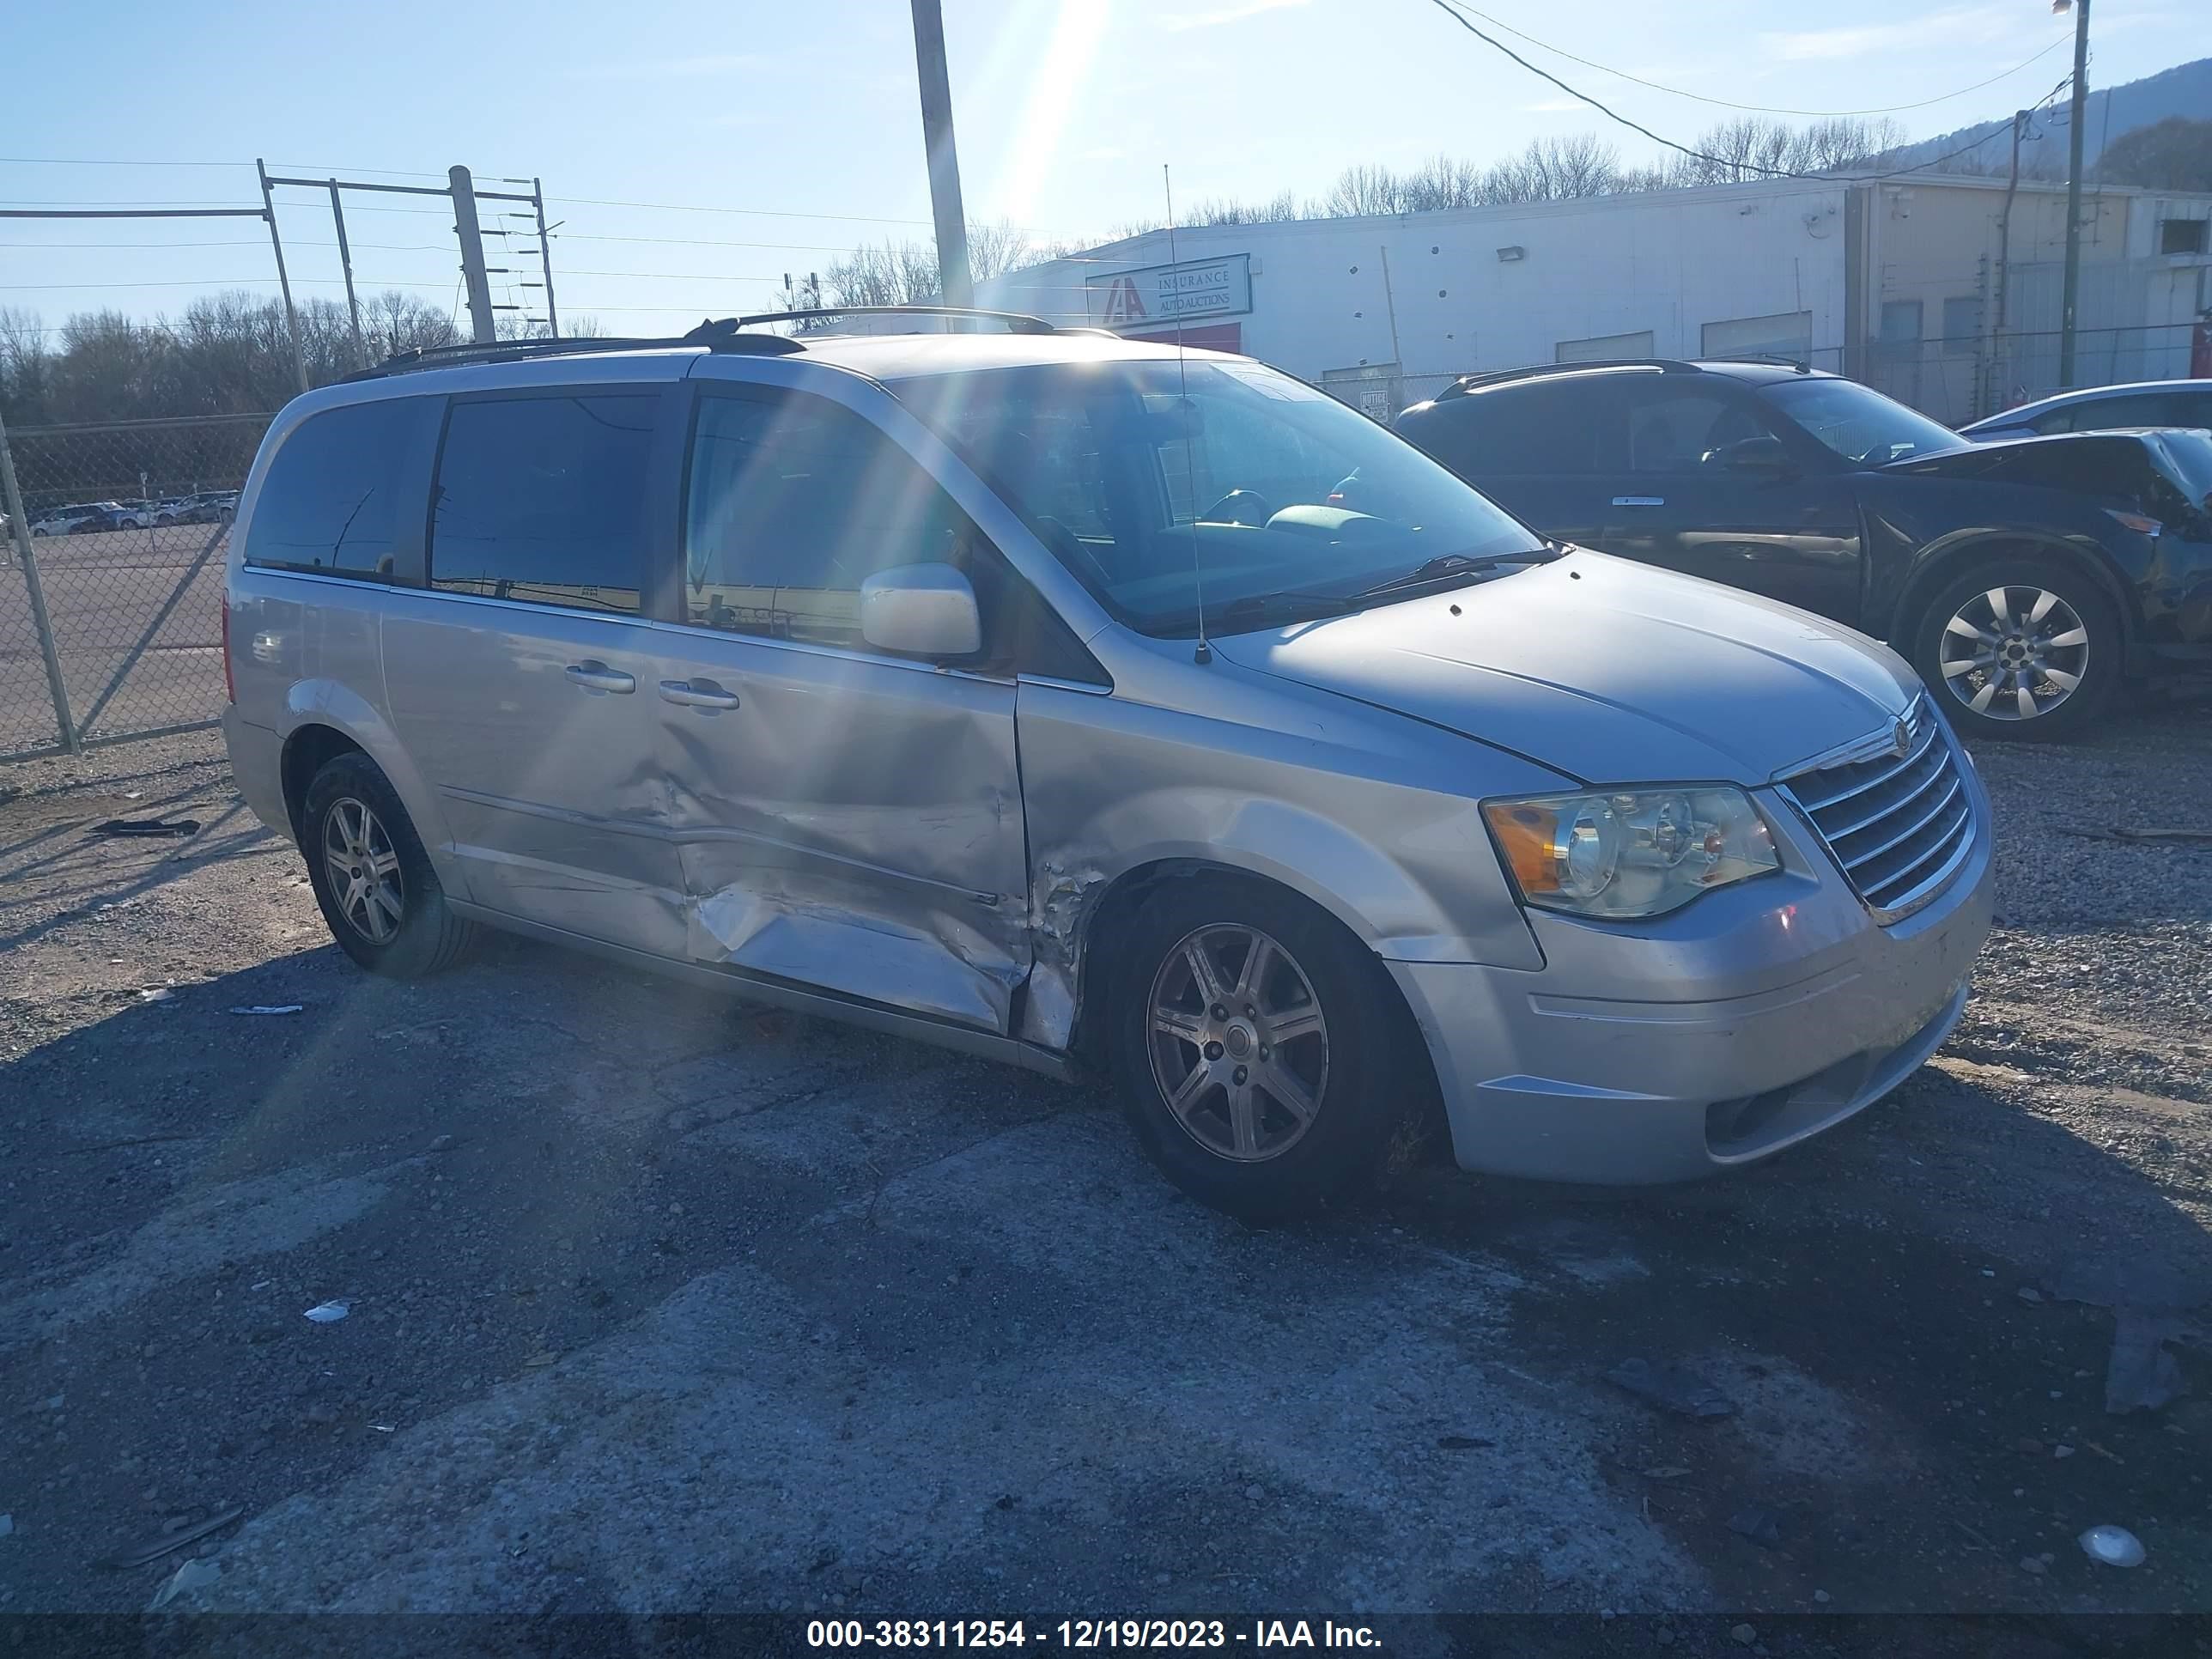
(1256, 1047)
(372, 880)
(2021, 649)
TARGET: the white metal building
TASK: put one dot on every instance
(1896, 283)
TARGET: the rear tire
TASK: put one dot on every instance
(1266, 1097)
(2038, 668)
(378, 895)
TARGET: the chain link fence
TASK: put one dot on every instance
(110, 600)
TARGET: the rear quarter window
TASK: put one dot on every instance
(1514, 430)
(332, 500)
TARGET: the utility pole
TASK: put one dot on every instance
(1989, 401)
(473, 275)
(345, 263)
(284, 281)
(952, 277)
(546, 257)
(2078, 120)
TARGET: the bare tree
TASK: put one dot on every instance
(1363, 191)
(1230, 211)
(25, 365)
(394, 321)
(995, 250)
(1440, 182)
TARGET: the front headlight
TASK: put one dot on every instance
(1624, 854)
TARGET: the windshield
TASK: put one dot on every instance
(1858, 422)
(1146, 478)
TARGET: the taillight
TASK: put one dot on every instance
(229, 681)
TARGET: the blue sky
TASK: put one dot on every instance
(803, 114)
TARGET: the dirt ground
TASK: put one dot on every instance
(658, 1304)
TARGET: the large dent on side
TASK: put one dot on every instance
(1061, 896)
(926, 958)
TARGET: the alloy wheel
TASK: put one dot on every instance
(1238, 1042)
(363, 870)
(2013, 654)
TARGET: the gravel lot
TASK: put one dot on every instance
(659, 1304)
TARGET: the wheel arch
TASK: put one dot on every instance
(310, 748)
(1941, 562)
(1104, 926)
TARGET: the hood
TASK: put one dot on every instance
(1998, 454)
(1611, 671)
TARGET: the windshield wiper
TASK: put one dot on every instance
(1256, 608)
(1455, 564)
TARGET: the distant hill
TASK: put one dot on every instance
(2185, 89)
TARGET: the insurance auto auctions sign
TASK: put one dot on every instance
(1162, 294)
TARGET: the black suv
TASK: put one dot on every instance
(2029, 578)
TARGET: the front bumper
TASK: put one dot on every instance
(1744, 1023)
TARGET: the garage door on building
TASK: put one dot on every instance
(1603, 348)
(1787, 334)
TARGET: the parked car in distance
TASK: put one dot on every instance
(2101, 408)
(2028, 582)
(1029, 693)
(78, 518)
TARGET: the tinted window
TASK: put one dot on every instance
(1511, 431)
(331, 501)
(2105, 413)
(794, 502)
(543, 499)
(1671, 429)
(1857, 423)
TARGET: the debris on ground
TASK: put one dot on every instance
(1665, 1472)
(1670, 1387)
(168, 1542)
(1462, 1442)
(148, 827)
(1743, 1635)
(157, 993)
(329, 1313)
(1759, 1523)
(2142, 1375)
(268, 1008)
(2147, 1299)
(2116, 1547)
(191, 1576)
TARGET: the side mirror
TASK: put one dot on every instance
(1763, 455)
(920, 610)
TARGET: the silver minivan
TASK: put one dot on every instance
(1098, 707)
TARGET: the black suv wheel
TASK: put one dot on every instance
(2021, 648)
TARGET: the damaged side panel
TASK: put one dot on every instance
(1113, 785)
(854, 824)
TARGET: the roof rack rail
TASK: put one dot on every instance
(1467, 383)
(715, 336)
(1779, 359)
(1016, 322)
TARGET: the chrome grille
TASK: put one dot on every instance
(1899, 826)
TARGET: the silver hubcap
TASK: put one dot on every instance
(1239, 1048)
(364, 871)
(2015, 653)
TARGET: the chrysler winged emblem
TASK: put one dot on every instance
(1901, 739)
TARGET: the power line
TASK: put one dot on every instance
(1446, 6)
(1757, 109)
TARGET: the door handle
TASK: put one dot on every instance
(1639, 500)
(595, 675)
(697, 694)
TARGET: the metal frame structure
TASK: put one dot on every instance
(460, 190)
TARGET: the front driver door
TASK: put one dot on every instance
(1790, 534)
(845, 819)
